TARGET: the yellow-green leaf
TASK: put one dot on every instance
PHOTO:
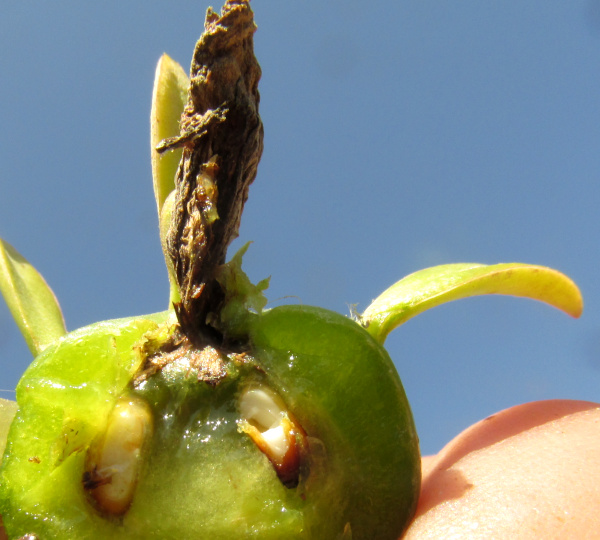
(434, 286)
(168, 100)
(31, 302)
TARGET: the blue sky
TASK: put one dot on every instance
(398, 135)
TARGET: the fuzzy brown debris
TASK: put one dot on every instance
(222, 139)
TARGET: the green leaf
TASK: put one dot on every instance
(169, 97)
(434, 286)
(31, 302)
(168, 101)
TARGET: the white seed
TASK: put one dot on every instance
(266, 420)
(277, 442)
(262, 408)
(113, 462)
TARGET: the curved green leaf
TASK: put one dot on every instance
(434, 286)
(169, 97)
(30, 300)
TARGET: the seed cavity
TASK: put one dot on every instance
(114, 460)
(266, 420)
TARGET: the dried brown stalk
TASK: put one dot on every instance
(222, 139)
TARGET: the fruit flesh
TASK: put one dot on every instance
(201, 474)
(195, 453)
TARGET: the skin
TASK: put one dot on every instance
(529, 472)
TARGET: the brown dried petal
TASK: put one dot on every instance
(222, 137)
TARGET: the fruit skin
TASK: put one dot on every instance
(8, 409)
(201, 475)
(327, 362)
(64, 398)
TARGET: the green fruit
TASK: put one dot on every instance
(241, 423)
(346, 394)
(360, 454)
(8, 409)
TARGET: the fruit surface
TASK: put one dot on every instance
(200, 472)
(64, 399)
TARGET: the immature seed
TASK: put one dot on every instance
(275, 432)
(113, 461)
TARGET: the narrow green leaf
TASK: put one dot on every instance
(31, 302)
(168, 100)
(8, 409)
(434, 286)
